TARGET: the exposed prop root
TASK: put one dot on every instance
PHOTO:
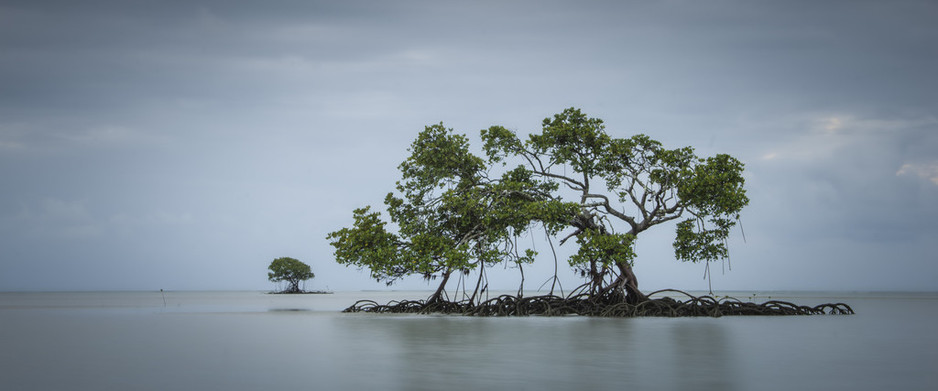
(611, 305)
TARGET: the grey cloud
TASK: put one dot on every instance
(199, 136)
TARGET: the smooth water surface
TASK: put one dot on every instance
(257, 341)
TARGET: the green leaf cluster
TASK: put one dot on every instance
(603, 249)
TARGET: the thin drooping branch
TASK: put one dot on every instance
(556, 280)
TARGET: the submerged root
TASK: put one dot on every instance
(602, 306)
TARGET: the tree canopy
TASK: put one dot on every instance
(291, 271)
(449, 215)
(625, 186)
(453, 213)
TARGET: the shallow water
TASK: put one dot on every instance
(252, 340)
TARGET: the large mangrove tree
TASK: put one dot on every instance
(455, 213)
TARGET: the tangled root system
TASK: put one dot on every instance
(603, 306)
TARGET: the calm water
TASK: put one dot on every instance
(255, 341)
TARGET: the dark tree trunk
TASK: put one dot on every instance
(633, 295)
(479, 282)
(596, 278)
(439, 290)
(294, 286)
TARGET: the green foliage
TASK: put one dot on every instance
(450, 215)
(714, 195)
(289, 270)
(715, 187)
(642, 184)
(694, 242)
(574, 139)
(603, 249)
(366, 244)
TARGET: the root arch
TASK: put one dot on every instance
(611, 305)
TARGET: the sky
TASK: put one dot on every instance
(183, 145)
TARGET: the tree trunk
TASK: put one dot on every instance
(633, 295)
(439, 290)
(596, 284)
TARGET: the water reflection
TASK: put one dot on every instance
(430, 353)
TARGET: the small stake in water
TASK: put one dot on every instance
(164, 297)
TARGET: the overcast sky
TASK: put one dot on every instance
(186, 144)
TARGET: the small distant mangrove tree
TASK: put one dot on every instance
(455, 213)
(290, 271)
